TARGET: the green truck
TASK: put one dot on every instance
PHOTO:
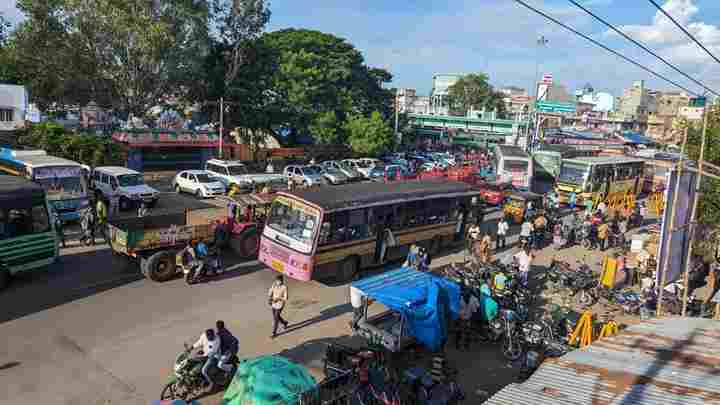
(28, 241)
(156, 239)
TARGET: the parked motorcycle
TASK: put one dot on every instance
(539, 341)
(505, 326)
(187, 380)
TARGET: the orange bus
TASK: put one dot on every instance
(333, 232)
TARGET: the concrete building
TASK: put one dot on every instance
(409, 102)
(601, 101)
(14, 104)
(439, 92)
(636, 102)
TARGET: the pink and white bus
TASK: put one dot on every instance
(333, 232)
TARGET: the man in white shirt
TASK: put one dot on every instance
(524, 260)
(356, 300)
(502, 230)
(277, 296)
(526, 231)
(209, 345)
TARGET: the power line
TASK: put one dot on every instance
(645, 48)
(616, 53)
(677, 24)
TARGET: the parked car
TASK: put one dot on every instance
(495, 194)
(201, 183)
(347, 170)
(231, 172)
(332, 175)
(391, 172)
(307, 175)
(127, 184)
(365, 165)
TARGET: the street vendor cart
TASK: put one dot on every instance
(419, 307)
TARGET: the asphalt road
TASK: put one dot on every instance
(92, 330)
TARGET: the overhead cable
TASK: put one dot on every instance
(645, 48)
(677, 24)
(614, 52)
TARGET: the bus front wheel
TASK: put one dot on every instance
(349, 268)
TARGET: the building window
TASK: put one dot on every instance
(6, 115)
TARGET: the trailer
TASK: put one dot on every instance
(155, 240)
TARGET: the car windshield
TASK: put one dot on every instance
(129, 180)
(204, 178)
(295, 220)
(573, 174)
(312, 170)
(365, 164)
(237, 170)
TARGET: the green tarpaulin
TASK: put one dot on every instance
(268, 380)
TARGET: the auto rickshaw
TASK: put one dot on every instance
(246, 219)
(516, 203)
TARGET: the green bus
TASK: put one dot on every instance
(547, 160)
(27, 238)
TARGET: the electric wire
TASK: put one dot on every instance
(677, 24)
(614, 52)
(645, 48)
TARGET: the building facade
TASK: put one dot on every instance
(14, 103)
(439, 93)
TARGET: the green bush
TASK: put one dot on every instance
(83, 148)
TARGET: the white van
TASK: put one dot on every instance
(127, 184)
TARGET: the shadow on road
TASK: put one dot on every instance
(325, 315)
(73, 277)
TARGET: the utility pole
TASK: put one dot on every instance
(669, 228)
(696, 198)
(222, 112)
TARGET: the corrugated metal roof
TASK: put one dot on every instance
(664, 361)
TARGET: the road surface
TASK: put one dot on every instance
(92, 330)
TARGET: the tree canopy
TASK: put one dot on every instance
(369, 136)
(709, 204)
(474, 91)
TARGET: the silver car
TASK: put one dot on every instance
(347, 170)
(333, 175)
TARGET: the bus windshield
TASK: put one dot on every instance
(573, 173)
(61, 187)
(294, 220)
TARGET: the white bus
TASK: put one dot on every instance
(514, 165)
(63, 180)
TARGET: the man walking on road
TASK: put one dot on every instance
(277, 297)
(524, 260)
(502, 229)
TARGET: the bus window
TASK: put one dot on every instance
(358, 225)
(40, 220)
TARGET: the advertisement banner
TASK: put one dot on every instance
(680, 237)
(40, 173)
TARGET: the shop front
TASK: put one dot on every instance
(149, 149)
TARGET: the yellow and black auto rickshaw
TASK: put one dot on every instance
(516, 204)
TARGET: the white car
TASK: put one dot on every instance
(333, 175)
(363, 166)
(231, 172)
(306, 175)
(125, 184)
(198, 182)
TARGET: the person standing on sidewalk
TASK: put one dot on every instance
(277, 297)
(502, 230)
(602, 232)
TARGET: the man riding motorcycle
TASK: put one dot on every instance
(209, 345)
(229, 347)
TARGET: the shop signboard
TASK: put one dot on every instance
(555, 107)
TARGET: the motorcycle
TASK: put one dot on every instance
(505, 326)
(212, 266)
(187, 380)
(539, 341)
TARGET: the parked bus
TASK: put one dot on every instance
(62, 179)
(334, 232)
(546, 161)
(514, 165)
(594, 176)
(27, 238)
(655, 174)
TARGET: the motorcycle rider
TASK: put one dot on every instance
(209, 345)
(229, 347)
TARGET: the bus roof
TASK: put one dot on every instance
(36, 161)
(556, 148)
(512, 151)
(365, 194)
(604, 160)
(17, 188)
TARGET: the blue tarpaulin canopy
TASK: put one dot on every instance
(424, 300)
(637, 138)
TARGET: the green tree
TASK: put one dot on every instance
(474, 91)
(368, 136)
(58, 141)
(709, 203)
(326, 129)
(313, 73)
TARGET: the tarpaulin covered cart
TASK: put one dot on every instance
(420, 306)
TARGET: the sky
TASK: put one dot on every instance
(414, 39)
